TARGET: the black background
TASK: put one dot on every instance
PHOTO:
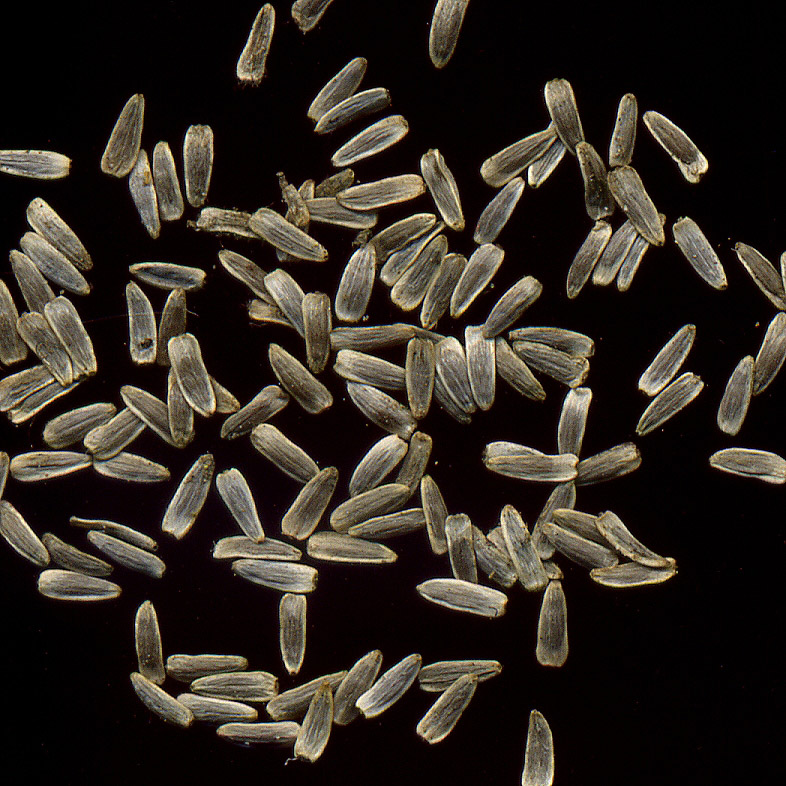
(677, 683)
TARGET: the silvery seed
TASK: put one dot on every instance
(45, 464)
(435, 512)
(542, 167)
(12, 348)
(314, 731)
(539, 754)
(443, 188)
(668, 361)
(327, 210)
(416, 461)
(20, 536)
(375, 502)
(748, 463)
(237, 496)
(632, 574)
(253, 686)
(569, 369)
(293, 703)
(525, 463)
(147, 638)
(411, 287)
(197, 163)
(283, 453)
(37, 401)
(67, 585)
(609, 464)
(187, 668)
(71, 558)
(378, 462)
(354, 289)
(480, 269)
(277, 575)
(117, 530)
(286, 237)
(631, 196)
(452, 372)
(771, 354)
(464, 596)
(481, 366)
(448, 403)
(251, 63)
(357, 681)
(172, 323)
(220, 221)
(336, 547)
(390, 687)
(37, 164)
(143, 193)
(122, 148)
(371, 141)
(305, 513)
(597, 197)
(678, 145)
(350, 109)
(521, 550)
(47, 223)
(292, 631)
(307, 13)
(142, 337)
(561, 105)
(445, 28)
(512, 305)
(498, 212)
(241, 547)
(72, 426)
(166, 185)
(127, 555)
(149, 409)
(443, 715)
(419, 375)
(382, 193)
(572, 420)
(243, 269)
(298, 381)
(737, 397)
(131, 468)
(492, 560)
(614, 254)
(763, 274)
(623, 138)
(633, 259)
(167, 275)
(288, 296)
(700, 254)
(261, 311)
(70, 330)
(583, 552)
(389, 525)
(619, 537)
(368, 369)
(216, 711)
(400, 261)
(180, 416)
(109, 439)
(189, 497)
(284, 733)
(669, 402)
(15, 388)
(516, 372)
(365, 339)
(340, 87)
(583, 524)
(54, 265)
(264, 405)
(226, 402)
(189, 369)
(317, 324)
(382, 410)
(502, 167)
(587, 257)
(439, 676)
(160, 702)
(459, 536)
(401, 234)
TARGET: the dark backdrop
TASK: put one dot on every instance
(663, 684)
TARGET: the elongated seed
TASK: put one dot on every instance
(72, 426)
(370, 141)
(37, 164)
(493, 560)
(390, 687)
(521, 550)
(45, 464)
(632, 574)
(167, 275)
(389, 525)
(763, 274)
(445, 28)
(293, 703)
(241, 547)
(623, 138)
(142, 336)
(620, 538)
(525, 463)
(561, 105)
(382, 193)
(375, 502)
(189, 369)
(542, 167)
(251, 63)
(314, 731)
(443, 188)
(147, 636)
(337, 89)
(131, 468)
(67, 585)
(608, 464)
(357, 681)
(284, 733)
(378, 462)
(197, 163)
(748, 463)
(439, 676)
(498, 212)
(597, 197)
(411, 287)
(512, 305)
(292, 631)
(210, 710)
(700, 254)
(47, 223)
(71, 558)
(298, 381)
(20, 536)
(122, 148)
(353, 108)
(160, 702)
(285, 454)
(328, 210)
(143, 193)
(167, 186)
(149, 409)
(286, 237)
(737, 397)
(464, 596)
(305, 513)
(587, 257)
(480, 269)
(381, 409)
(572, 421)
(539, 753)
(172, 323)
(54, 265)
(188, 499)
(502, 167)
(253, 686)
(669, 402)
(631, 196)
(516, 372)
(187, 668)
(458, 533)
(336, 547)
(444, 714)
(481, 366)
(237, 496)
(127, 555)
(668, 361)
(678, 145)
(354, 289)
(277, 575)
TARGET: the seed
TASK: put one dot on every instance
(53, 264)
(700, 254)
(188, 499)
(749, 463)
(464, 596)
(122, 148)
(669, 402)
(67, 585)
(668, 361)
(352, 108)
(187, 668)
(678, 145)
(340, 87)
(127, 555)
(166, 275)
(371, 141)
(631, 196)
(197, 163)
(314, 731)
(539, 753)
(736, 397)
(251, 63)
(561, 105)
(623, 138)
(444, 714)
(280, 576)
(166, 185)
(445, 28)
(237, 496)
(390, 687)
(148, 644)
(502, 167)
(38, 164)
(143, 193)
(305, 513)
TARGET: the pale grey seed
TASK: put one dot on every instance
(419, 375)
(292, 631)
(117, 530)
(180, 416)
(147, 637)
(583, 552)
(270, 400)
(748, 463)
(47, 223)
(498, 212)
(570, 341)
(368, 369)
(357, 281)
(411, 287)
(569, 369)
(283, 453)
(631, 196)
(332, 184)
(382, 193)
(583, 524)
(197, 163)
(15, 388)
(368, 504)
(189, 497)
(37, 401)
(389, 525)
(445, 28)
(353, 108)
(160, 702)
(700, 254)
(54, 265)
(401, 234)
(633, 259)
(587, 257)
(143, 193)
(623, 138)
(573, 420)
(251, 63)
(127, 555)
(240, 547)
(521, 550)
(502, 167)
(288, 296)
(435, 513)
(608, 464)
(220, 221)
(375, 139)
(68, 585)
(632, 574)
(443, 189)
(439, 676)
(452, 372)
(357, 681)
(365, 339)
(737, 397)
(620, 538)
(416, 461)
(187, 668)
(542, 167)
(317, 324)
(12, 348)
(464, 596)
(563, 496)
(150, 410)
(382, 410)
(771, 354)
(561, 106)
(172, 323)
(71, 558)
(461, 552)
(614, 254)
(294, 703)
(516, 372)
(763, 273)
(277, 575)
(669, 402)
(253, 686)
(67, 325)
(37, 164)
(339, 88)
(597, 197)
(166, 185)
(314, 731)
(691, 161)
(481, 366)
(243, 269)
(306, 511)
(337, 547)
(109, 439)
(493, 560)
(20, 536)
(236, 494)
(448, 403)
(209, 710)
(399, 262)
(284, 733)
(188, 366)
(45, 464)
(226, 402)
(480, 269)
(539, 753)
(444, 714)
(524, 463)
(142, 335)
(378, 462)
(132, 468)
(298, 381)
(74, 425)
(668, 361)
(123, 146)
(552, 645)
(390, 687)
(167, 275)
(328, 210)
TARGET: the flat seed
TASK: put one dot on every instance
(401, 234)
(149, 409)
(539, 753)
(328, 210)
(188, 366)
(678, 145)
(521, 550)
(443, 188)
(189, 497)
(277, 575)
(480, 269)
(492, 560)
(481, 366)
(357, 681)
(399, 262)
(583, 552)
(172, 323)
(453, 372)
(390, 687)
(294, 703)
(368, 370)
(197, 163)
(284, 733)
(67, 325)
(561, 105)
(180, 416)
(220, 221)
(619, 537)
(435, 512)
(459, 536)
(67, 585)
(298, 381)
(587, 257)
(668, 361)
(632, 260)
(631, 196)
(143, 193)
(516, 372)
(167, 187)
(389, 525)
(524, 463)
(314, 731)
(411, 287)
(336, 547)
(572, 420)
(340, 87)
(439, 676)
(147, 637)
(445, 28)
(288, 296)
(502, 167)
(354, 289)
(609, 464)
(749, 463)
(419, 375)
(597, 197)
(444, 714)
(127, 555)
(669, 402)
(632, 574)
(382, 410)
(19, 535)
(541, 168)
(253, 686)
(251, 63)
(187, 668)
(160, 702)
(737, 397)
(216, 711)
(464, 596)
(700, 254)
(286, 237)
(371, 141)
(237, 496)
(122, 148)
(45, 464)
(569, 369)
(378, 462)
(132, 468)
(72, 426)
(317, 325)
(512, 305)
(771, 354)
(579, 523)
(264, 405)
(375, 502)
(12, 348)
(623, 138)
(305, 513)
(352, 108)
(292, 631)
(37, 401)
(110, 438)
(614, 254)
(54, 265)
(498, 212)
(243, 269)
(142, 336)
(416, 461)
(37, 164)
(167, 275)
(241, 547)
(365, 339)
(763, 274)
(71, 558)
(285, 454)
(382, 193)
(47, 223)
